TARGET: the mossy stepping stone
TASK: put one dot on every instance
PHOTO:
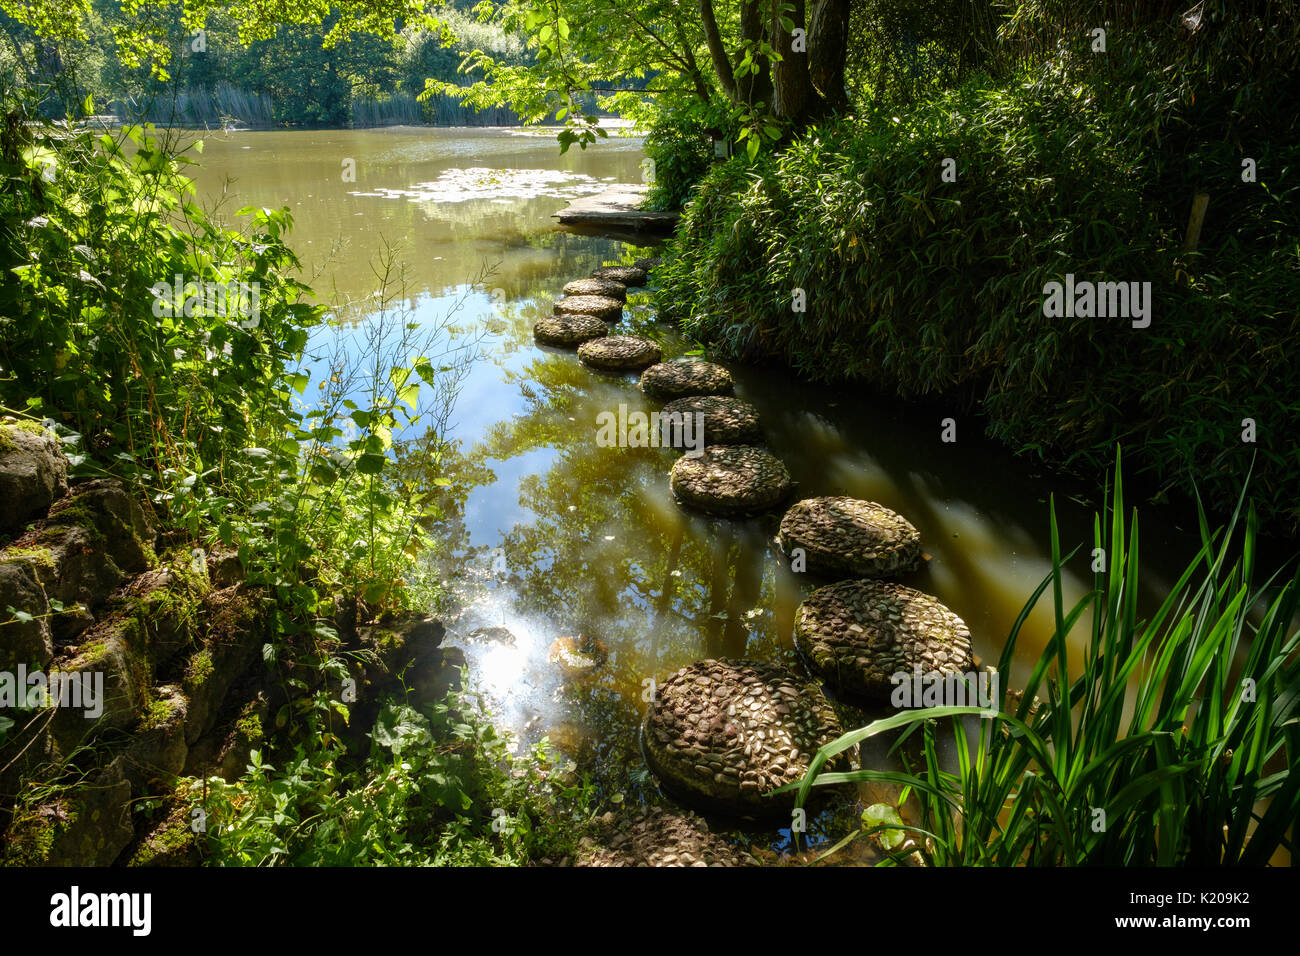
(725, 734)
(628, 275)
(731, 480)
(858, 634)
(679, 379)
(850, 537)
(655, 836)
(568, 331)
(603, 287)
(648, 263)
(619, 353)
(727, 421)
(601, 306)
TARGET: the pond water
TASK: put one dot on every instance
(550, 535)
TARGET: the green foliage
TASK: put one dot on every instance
(442, 788)
(1181, 728)
(924, 287)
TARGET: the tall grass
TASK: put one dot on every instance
(221, 104)
(1182, 729)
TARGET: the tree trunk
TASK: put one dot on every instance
(717, 51)
(794, 97)
(756, 87)
(828, 48)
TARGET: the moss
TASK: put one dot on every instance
(157, 713)
(249, 724)
(199, 669)
(30, 837)
(173, 837)
(42, 556)
(7, 443)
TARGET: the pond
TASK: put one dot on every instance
(552, 535)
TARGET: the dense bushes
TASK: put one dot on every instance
(922, 286)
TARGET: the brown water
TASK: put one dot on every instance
(550, 534)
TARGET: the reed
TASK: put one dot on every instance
(1181, 728)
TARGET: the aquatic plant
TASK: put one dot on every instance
(1176, 743)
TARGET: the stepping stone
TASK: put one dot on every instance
(654, 836)
(850, 537)
(857, 634)
(678, 379)
(731, 480)
(628, 275)
(648, 263)
(601, 306)
(619, 353)
(727, 421)
(606, 287)
(569, 331)
(724, 734)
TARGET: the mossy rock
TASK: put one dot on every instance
(619, 353)
(859, 634)
(33, 473)
(605, 287)
(600, 306)
(630, 276)
(648, 263)
(569, 331)
(727, 734)
(23, 641)
(678, 379)
(731, 480)
(726, 421)
(850, 537)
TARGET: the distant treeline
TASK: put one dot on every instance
(288, 80)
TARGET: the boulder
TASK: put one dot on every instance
(33, 473)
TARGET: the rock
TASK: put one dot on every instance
(727, 421)
(86, 826)
(731, 480)
(168, 599)
(619, 353)
(236, 631)
(569, 331)
(113, 664)
(628, 275)
(669, 380)
(397, 641)
(606, 287)
(858, 634)
(850, 537)
(33, 473)
(225, 570)
(497, 635)
(600, 306)
(156, 754)
(106, 508)
(654, 836)
(23, 641)
(648, 263)
(726, 734)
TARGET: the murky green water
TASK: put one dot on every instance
(551, 534)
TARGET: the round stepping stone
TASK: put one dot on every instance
(858, 634)
(731, 480)
(628, 275)
(619, 353)
(655, 836)
(678, 379)
(568, 331)
(727, 421)
(606, 287)
(648, 262)
(601, 306)
(724, 734)
(850, 537)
